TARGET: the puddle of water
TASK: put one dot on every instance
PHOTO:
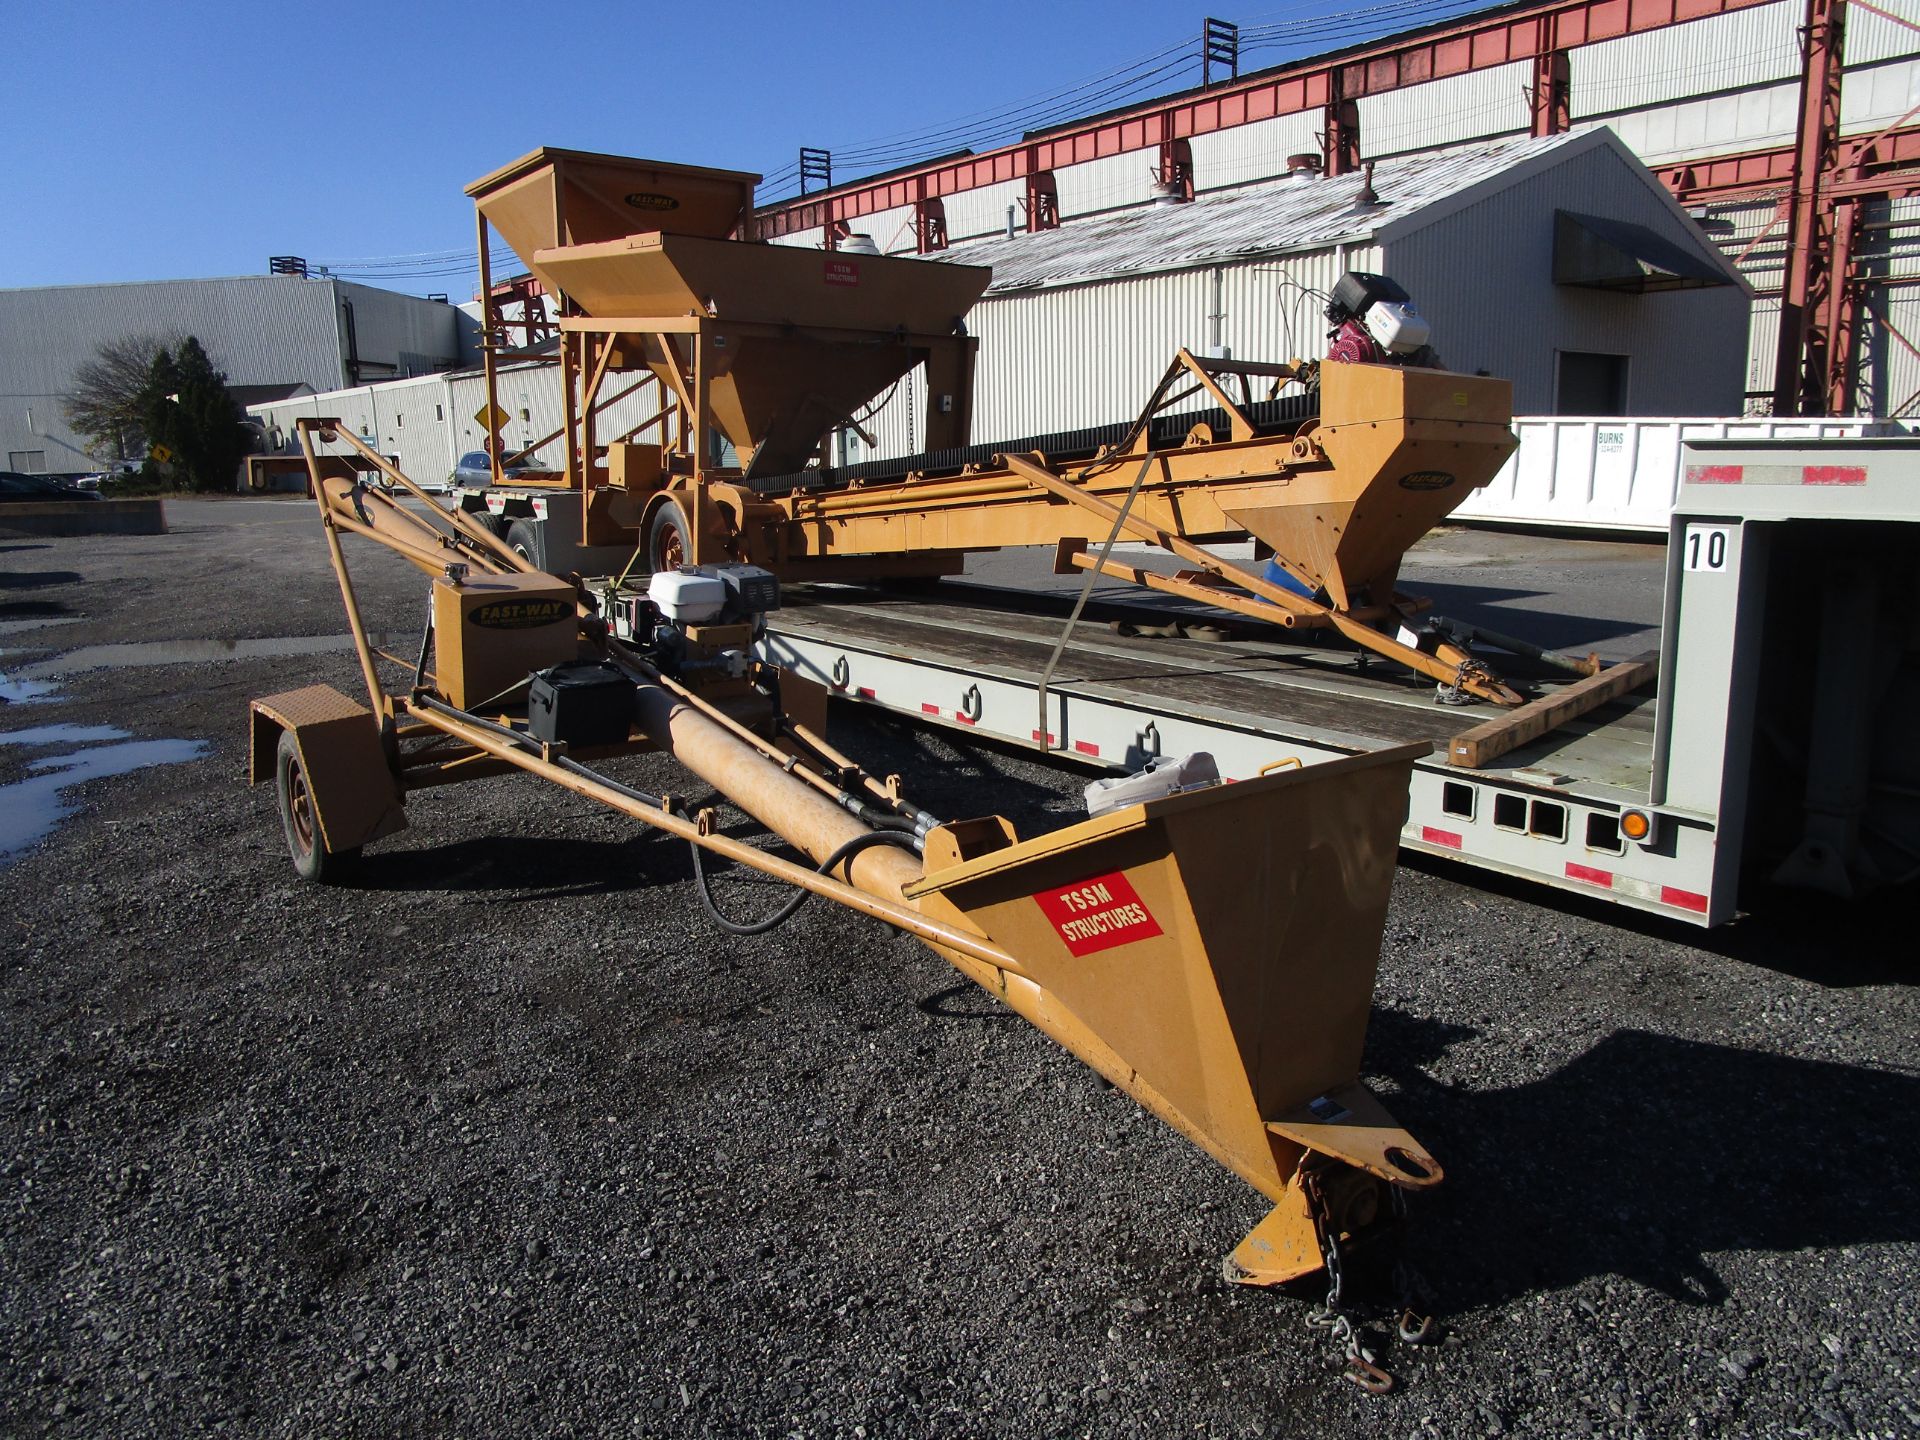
(185, 652)
(12, 690)
(62, 735)
(30, 809)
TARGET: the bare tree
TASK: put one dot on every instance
(105, 402)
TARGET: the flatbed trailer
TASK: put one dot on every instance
(1771, 750)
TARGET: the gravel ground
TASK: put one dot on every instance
(507, 1139)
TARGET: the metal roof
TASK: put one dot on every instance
(1274, 217)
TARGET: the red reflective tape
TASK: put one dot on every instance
(1715, 474)
(965, 719)
(1442, 837)
(1098, 914)
(1086, 747)
(926, 709)
(1046, 739)
(1834, 475)
(1683, 899)
(1587, 873)
(865, 693)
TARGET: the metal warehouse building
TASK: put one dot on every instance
(424, 425)
(1788, 126)
(1559, 263)
(262, 330)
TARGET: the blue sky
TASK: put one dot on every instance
(195, 138)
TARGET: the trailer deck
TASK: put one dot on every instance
(973, 657)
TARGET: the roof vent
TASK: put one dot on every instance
(1169, 192)
(1368, 198)
(858, 244)
(1303, 167)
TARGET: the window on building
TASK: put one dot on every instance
(439, 412)
(28, 462)
(399, 420)
(1591, 384)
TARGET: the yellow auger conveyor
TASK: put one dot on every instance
(1211, 952)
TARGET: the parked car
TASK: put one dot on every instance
(475, 468)
(17, 487)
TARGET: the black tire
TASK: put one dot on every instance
(311, 858)
(523, 538)
(496, 523)
(667, 546)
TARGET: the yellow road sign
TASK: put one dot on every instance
(493, 417)
(161, 454)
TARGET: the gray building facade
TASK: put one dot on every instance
(278, 330)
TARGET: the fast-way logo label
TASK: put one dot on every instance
(518, 614)
(1426, 480)
(1098, 914)
(649, 200)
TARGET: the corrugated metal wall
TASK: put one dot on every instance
(1103, 184)
(401, 330)
(1257, 151)
(974, 213)
(428, 423)
(1475, 106)
(1873, 37)
(1484, 276)
(1088, 354)
(1757, 46)
(259, 329)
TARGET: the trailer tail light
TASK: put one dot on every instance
(1640, 826)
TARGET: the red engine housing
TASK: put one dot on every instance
(1352, 345)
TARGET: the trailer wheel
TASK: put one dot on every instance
(311, 858)
(667, 547)
(496, 523)
(523, 538)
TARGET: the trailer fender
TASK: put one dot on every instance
(355, 795)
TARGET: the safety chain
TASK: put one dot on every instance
(1416, 1324)
(1455, 692)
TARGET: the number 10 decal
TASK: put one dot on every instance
(1706, 547)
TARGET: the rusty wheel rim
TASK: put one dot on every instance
(300, 809)
(672, 549)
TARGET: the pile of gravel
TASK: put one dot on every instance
(507, 1139)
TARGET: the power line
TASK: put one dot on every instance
(1126, 83)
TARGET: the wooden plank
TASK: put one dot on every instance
(1483, 744)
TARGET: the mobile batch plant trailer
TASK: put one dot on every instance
(1777, 748)
(1211, 952)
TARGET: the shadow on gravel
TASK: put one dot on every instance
(962, 1001)
(32, 609)
(37, 579)
(1810, 937)
(1644, 1157)
(530, 867)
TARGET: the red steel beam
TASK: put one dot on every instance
(1524, 32)
(1801, 370)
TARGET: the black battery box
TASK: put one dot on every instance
(583, 702)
